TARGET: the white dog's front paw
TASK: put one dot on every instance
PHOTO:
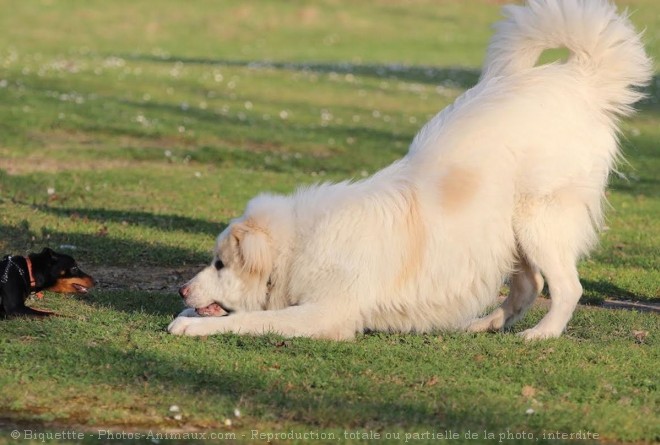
(181, 325)
(536, 333)
(198, 326)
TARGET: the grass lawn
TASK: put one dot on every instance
(131, 132)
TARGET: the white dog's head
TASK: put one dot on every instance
(241, 275)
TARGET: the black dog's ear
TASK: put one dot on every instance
(50, 252)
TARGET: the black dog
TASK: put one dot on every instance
(48, 270)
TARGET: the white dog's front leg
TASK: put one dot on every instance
(296, 321)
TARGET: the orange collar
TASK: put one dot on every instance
(33, 283)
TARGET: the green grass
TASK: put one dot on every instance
(135, 131)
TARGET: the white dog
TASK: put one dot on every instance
(506, 182)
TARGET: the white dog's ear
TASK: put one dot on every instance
(253, 248)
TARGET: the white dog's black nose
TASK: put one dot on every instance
(183, 291)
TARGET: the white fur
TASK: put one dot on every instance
(506, 182)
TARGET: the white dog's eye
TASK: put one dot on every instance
(218, 265)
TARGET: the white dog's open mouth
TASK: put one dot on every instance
(212, 310)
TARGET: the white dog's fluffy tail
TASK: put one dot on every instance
(604, 46)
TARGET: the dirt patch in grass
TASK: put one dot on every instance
(61, 150)
(39, 163)
(144, 279)
(545, 302)
(632, 305)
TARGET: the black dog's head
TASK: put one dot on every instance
(57, 272)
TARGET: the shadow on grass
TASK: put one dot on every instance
(458, 77)
(98, 248)
(454, 77)
(137, 218)
(129, 301)
(295, 397)
(596, 292)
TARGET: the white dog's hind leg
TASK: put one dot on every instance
(525, 285)
(565, 292)
(554, 233)
(296, 321)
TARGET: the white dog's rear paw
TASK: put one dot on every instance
(490, 323)
(536, 333)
